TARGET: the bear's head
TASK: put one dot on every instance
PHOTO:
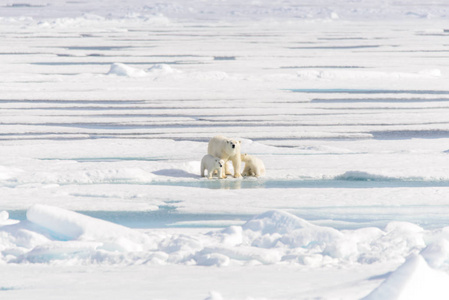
(219, 163)
(232, 147)
(244, 157)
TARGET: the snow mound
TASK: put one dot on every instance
(155, 71)
(69, 225)
(5, 220)
(119, 69)
(436, 253)
(213, 295)
(414, 280)
(274, 237)
(165, 72)
(278, 227)
(275, 221)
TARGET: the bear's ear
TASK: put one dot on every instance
(240, 142)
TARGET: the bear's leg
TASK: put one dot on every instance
(237, 164)
(210, 173)
(227, 171)
(246, 170)
(260, 171)
(256, 171)
(221, 173)
(202, 169)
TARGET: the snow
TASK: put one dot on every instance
(106, 108)
(413, 280)
(269, 238)
(72, 226)
(120, 69)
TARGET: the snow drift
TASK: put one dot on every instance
(414, 280)
(270, 238)
(126, 71)
(120, 69)
(68, 225)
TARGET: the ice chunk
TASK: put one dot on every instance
(74, 226)
(5, 220)
(61, 251)
(414, 280)
(4, 216)
(275, 221)
(436, 253)
(127, 71)
(211, 259)
(213, 295)
(355, 244)
(274, 226)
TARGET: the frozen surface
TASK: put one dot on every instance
(106, 108)
(413, 280)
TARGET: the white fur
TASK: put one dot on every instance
(227, 150)
(211, 164)
(253, 166)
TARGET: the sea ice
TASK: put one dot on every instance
(70, 225)
(107, 106)
(414, 280)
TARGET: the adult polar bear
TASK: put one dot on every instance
(227, 150)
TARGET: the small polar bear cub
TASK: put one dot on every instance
(211, 164)
(253, 166)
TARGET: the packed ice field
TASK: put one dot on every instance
(107, 107)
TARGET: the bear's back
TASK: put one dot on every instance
(216, 145)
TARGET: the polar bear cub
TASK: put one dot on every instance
(253, 166)
(227, 150)
(211, 164)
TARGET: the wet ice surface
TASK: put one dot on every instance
(106, 118)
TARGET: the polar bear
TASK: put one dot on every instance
(211, 164)
(227, 150)
(253, 166)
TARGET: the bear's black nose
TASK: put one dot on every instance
(233, 146)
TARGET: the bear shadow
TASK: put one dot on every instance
(178, 173)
